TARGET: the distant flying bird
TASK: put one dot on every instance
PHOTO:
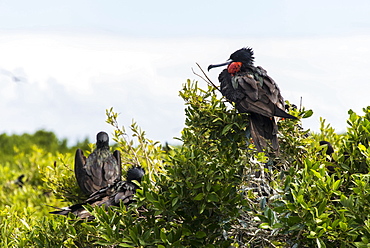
(109, 196)
(15, 78)
(254, 92)
(100, 169)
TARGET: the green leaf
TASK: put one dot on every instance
(163, 236)
(200, 234)
(343, 226)
(307, 114)
(199, 197)
(336, 184)
(212, 197)
(174, 201)
(125, 245)
(227, 128)
(264, 226)
(150, 196)
(361, 147)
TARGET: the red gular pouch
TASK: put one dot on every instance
(234, 67)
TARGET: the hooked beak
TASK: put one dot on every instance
(218, 65)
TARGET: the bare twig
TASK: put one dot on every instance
(205, 78)
(208, 80)
(200, 76)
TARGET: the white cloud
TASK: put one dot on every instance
(72, 79)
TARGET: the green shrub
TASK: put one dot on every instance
(214, 190)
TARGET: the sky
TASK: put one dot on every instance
(62, 64)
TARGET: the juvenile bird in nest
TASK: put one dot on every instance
(113, 195)
(100, 169)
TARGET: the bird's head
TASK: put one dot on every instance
(244, 55)
(102, 140)
(329, 149)
(135, 173)
(238, 60)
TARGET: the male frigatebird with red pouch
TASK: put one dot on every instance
(253, 92)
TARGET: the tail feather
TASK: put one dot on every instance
(65, 211)
(281, 113)
(61, 211)
(258, 141)
(263, 128)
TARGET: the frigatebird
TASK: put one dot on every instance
(253, 92)
(329, 151)
(329, 148)
(112, 195)
(19, 181)
(100, 169)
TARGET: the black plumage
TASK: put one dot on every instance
(109, 196)
(19, 181)
(329, 148)
(254, 92)
(100, 169)
(329, 151)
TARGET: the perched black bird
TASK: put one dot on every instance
(254, 92)
(329, 151)
(19, 181)
(100, 169)
(109, 196)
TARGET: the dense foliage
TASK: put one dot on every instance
(214, 190)
(46, 140)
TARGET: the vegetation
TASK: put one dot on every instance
(46, 140)
(214, 190)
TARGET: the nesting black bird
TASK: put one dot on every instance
(329, 151)
(100, 169)
(19, 181)
(254, 92)
(329, 148)
(109, 196)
